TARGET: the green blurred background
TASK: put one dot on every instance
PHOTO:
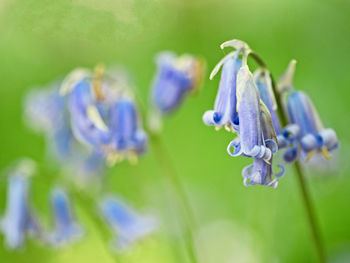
(41, 40)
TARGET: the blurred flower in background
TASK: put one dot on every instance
(66, 229)
(45, 111)
(176, 77)
(127, 224)
(103, 114)
(305, 134)
(19, 220)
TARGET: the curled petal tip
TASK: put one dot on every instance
(235, 43)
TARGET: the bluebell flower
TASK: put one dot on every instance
(309, 131)
(128, 226)
(104, 115)
(225, 112)
(305, 135)
(66, 229)
(176, 77)
(129, 139)
(19, 220)
(87, 123)
(251, 142)
(261, 172)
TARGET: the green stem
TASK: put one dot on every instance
(169, 171)
(310, 212)
(316, 233)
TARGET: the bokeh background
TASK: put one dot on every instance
(41, 40)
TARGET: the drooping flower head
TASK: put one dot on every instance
(128, 225)
(305, 132)
(176, 76)
(251, 142)
(66, 229)
(225, 112)
(261, 172)
(104, 115)
(240, 107)
(129, 139)
(19, 220)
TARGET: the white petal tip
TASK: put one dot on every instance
(235, 43)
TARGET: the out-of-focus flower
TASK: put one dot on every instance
(66, 229)
(305, 133)
(128, 225)
(46, 111)
(104, 115)
(129, 139)
(19, 220)
(311, 135)
(225, 112)
(86, 120)
(176, 76)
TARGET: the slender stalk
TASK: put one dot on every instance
(307, 201)
(169, 171)
(316, 233)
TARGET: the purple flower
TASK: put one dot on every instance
(103, 114)
(66, 229)
(260, 172)
(46, 111)
(87, 123)
(251, 142)
(125, 125)
(127, 224)
(308, 128)
(176, 77)
(305, 135)
(225, 113)
(19, 220)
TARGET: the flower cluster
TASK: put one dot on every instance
(20, 220)
(103, 114)
(246, 104)
(305, 134)
(88, 118)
